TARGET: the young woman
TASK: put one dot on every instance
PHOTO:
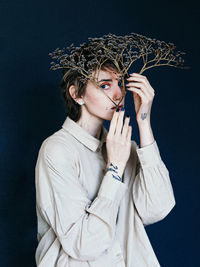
(96, 190)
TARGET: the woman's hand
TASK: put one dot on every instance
(143, 97)
(118, 141)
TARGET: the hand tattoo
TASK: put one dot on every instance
(143, 116)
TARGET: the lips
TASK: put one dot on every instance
(116, 107)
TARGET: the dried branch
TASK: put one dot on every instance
(123, 51)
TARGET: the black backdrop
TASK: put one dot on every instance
(31, 108)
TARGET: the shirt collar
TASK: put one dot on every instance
(83, 136)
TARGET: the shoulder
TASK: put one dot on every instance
(58, 146)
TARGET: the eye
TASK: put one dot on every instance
(120, 83)
(103, 86)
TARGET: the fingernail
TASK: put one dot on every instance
(127, 116)
(117, 109)
(122, 109)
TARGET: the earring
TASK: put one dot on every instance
(81, 102)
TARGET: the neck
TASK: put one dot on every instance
(91, 124)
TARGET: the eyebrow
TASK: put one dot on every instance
(106, 80)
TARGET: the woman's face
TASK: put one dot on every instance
(96, 102)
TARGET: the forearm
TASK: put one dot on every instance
(152, 189)
(146, 134)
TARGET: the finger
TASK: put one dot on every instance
(142, 87)
(137, 75)
(119, 122)
(125, 127)
(113, 123)
(129, 133)
(143, 79)
(140, 93)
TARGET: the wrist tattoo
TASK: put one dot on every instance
(143, 116)
(113, 168)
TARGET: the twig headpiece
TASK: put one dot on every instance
(122, 51)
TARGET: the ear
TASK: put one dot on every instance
(72, 91)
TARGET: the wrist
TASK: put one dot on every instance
(117, 168)
(144, 123)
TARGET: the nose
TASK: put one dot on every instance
(117, 93)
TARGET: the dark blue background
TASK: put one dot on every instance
(31, 108)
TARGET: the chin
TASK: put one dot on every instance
(109, 116)
(106, 116)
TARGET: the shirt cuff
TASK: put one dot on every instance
(112, 188)
(149, 155)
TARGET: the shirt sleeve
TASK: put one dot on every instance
(85, 229)
(152, 190)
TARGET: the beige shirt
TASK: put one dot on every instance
(88, 218)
